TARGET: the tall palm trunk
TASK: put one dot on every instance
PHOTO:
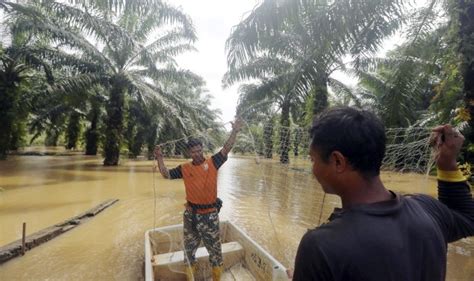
(297, 140)
(73, 130)
(7, 115)
(151, 140)
(92, 134)
(320, 94)
(466, 34)
(268, 138)
(52, 137)
(113, 132)
(285, 132)
(138, 141)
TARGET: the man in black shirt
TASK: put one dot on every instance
(378, 234)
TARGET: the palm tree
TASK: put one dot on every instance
(399, 90)
(263, 97)
(127, 63)
(13, 73)
(314, 36)
(19, 77)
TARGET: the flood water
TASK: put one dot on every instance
(273, 204)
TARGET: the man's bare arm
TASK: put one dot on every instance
(161, 164)
(236, 126)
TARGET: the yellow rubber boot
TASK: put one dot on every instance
(190, 272)
(216, 273)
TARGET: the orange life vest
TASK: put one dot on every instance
(200, 182)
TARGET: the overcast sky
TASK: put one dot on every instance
(213, 20)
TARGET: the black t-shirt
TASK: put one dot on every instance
(402, 239)
(218, 159)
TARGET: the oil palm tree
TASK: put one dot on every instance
(315, 36)
(123, 59)
(272, 93)
(20, 77)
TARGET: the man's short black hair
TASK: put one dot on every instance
(192, 143)
(358, 134)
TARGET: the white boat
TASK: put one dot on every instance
(243, 258)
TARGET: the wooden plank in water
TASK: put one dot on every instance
(14, 249)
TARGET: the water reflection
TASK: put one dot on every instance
(273, 203)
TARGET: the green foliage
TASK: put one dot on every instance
(308, 38)
(249, 142)
(122, 54)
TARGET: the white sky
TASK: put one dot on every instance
(213, 20)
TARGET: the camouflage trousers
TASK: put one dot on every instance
(205, 228)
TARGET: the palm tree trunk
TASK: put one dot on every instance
(268, 138)
(18, 131)
(52, 136)
(73, 130)
(297, 140)
(129, 135)
(466, 34)
(151, 140)
(285, 133)
(92, 134)
(138, 141)
(320, 94)
(113, 132)
(7, 101)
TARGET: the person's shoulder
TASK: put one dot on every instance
(325, 232)
(424, 201)
(328, 239)
(418, 197)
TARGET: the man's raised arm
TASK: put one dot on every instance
(161, 164)
(453, 189)
(236, 126)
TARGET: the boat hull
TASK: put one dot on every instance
(164, 258)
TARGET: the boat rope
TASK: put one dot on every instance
(154, 196)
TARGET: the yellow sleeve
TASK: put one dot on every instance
(450, 176)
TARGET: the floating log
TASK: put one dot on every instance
(18, 247)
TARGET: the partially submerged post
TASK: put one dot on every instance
(23, 248)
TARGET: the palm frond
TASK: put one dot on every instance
(342, 90)
(78, 83)
(42, 25)
(260, 67)
(90, 24)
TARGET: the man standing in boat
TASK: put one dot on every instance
(201, 216)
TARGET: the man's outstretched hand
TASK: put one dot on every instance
(447, 142)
